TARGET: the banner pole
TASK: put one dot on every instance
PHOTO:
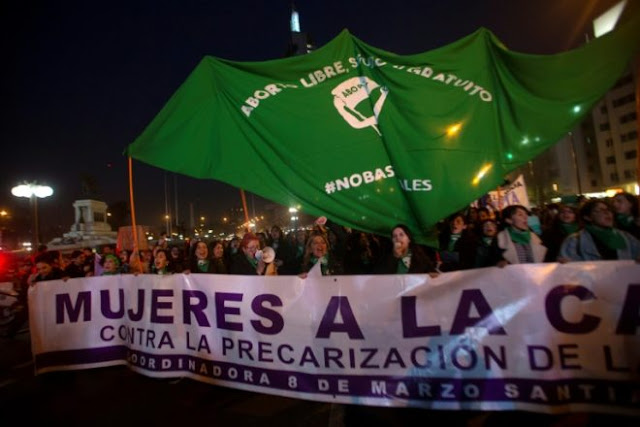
(244, 208)
(637, 120)
(134, 228)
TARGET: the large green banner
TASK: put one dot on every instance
(370, 138)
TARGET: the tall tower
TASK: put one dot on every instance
(300, 42)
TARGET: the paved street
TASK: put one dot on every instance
(118, 396)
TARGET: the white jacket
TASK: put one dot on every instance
(511, 255)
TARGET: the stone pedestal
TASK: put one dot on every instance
(90, 228)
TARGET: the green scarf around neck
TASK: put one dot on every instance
(324, 263)
(569, 227)
(608, 236)
(253, 261)
(624, 221)
(452, 241)
(518, 236)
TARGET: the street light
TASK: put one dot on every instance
(33, 192)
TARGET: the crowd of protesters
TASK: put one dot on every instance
(596, 229)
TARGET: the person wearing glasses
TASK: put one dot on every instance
(248, 260)
(599, 239)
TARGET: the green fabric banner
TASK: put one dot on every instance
(370, 138)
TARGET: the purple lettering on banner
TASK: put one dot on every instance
(136, 316)
(277, 322)
(156, 305)
(83, 304)
(410, 328)
(563, 356)
(197, 309)
(349, 325)
(608, 357)
(630, 315)
(416, 391)
(540, 363)
(105, 304)
(222, 310)
(553, 308)
(486, 319)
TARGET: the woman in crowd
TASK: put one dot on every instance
(599, 239)
(519, 244)
(245, 261)
(488, 254)
(45, 269)
(564, 223)
(625, 207)
(146, 258)
(125, 267)
(200, 261)
(280, 246)
(176, 259)
(359, 256)
(457, 245)
(162, 262)
(111, 265)
(317, 250)
(219, 264)
(407, 256)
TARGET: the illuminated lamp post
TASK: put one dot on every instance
(33, 192)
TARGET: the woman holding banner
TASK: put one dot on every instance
(317, 251)
(599, 239)
(520, 245)
(245, 261)
(407, 256)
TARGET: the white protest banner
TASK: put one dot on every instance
(512, 194)
(541, 337)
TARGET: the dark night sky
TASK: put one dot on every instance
(81, 79)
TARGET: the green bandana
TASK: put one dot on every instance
(569, 227)
(609, 237)
(402, 267)
(253, 261)
(517, 236)
(404, 264)
(324, 263)
(203, 265)
(452, 241)
(624, 221)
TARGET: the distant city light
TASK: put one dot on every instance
(454, 129)
(509, 156)
(293, 210)
(577, 109)
(525, 140)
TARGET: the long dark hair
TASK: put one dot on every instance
(419, 258)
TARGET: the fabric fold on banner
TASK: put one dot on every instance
(370, 138)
